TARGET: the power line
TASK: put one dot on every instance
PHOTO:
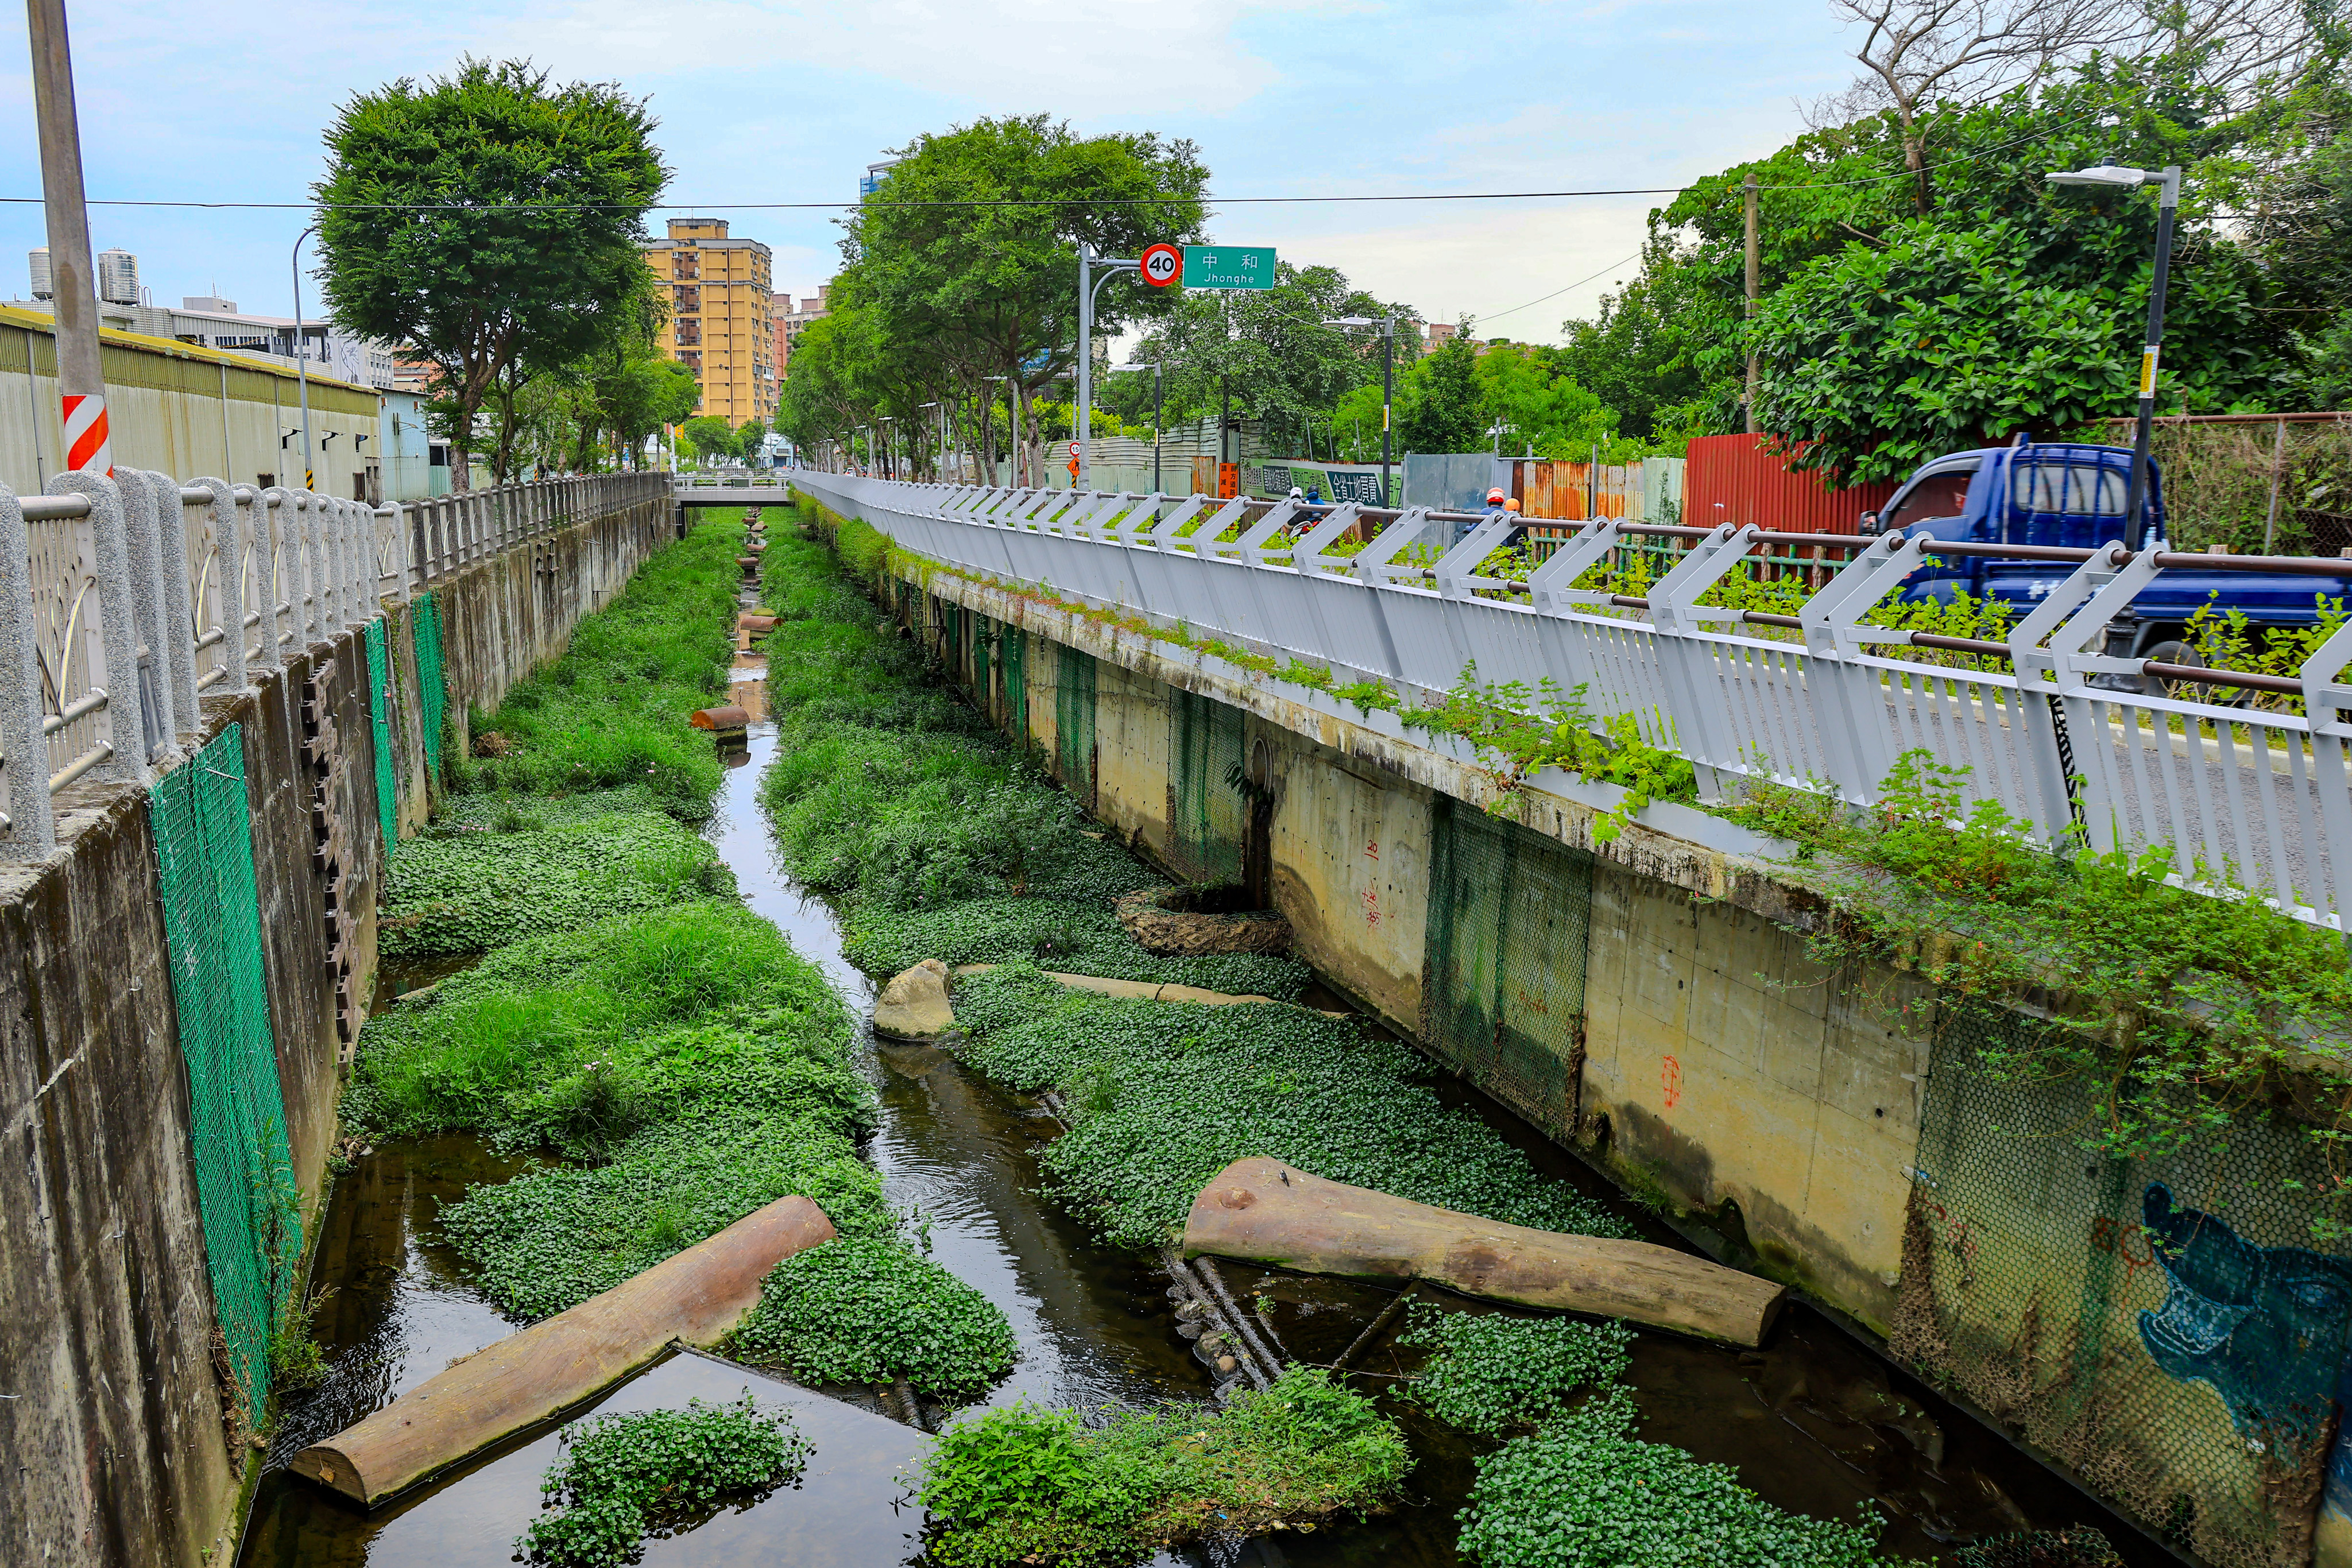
(1558, 292)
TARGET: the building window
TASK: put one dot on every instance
(685, 264)
(692, 361)
(689, 296)
(689, 332)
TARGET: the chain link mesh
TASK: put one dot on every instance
(1013, 658)
(2168, 1326)
(245, 1180)
(379, 666)
(1073, 722)
(1503, 994)
(432, 698)
(1208, 814)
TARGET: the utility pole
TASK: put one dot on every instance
(1750, 190)
(81, 385)
(302, 363)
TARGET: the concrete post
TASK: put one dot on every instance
(316, 527)
(126, 734)
(141, 533)
(267, 593)
(178, 617)
(32, 825)
(228, 566)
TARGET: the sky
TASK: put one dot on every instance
(764, 102)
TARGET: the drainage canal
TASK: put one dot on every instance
(1813, 1421)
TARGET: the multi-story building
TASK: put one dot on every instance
(722, 322)
(792, 323)
(1435, 335)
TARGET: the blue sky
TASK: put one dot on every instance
(768, 102)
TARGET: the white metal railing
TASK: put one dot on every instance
(2237, 799)
(125, 602)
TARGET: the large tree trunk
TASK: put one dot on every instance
(1263, 1211)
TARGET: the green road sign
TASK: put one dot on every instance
(1229, 266)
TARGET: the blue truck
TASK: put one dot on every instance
(2075, 495)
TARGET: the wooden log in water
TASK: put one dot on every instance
(697, 1296)
(1263, 1211)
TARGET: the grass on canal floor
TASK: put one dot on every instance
(681, 1061)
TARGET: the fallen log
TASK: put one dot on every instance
(1262, 1211)
(697, 1296)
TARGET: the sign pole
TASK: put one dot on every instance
(1086, 369)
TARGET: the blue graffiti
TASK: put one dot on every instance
(2264, 1327)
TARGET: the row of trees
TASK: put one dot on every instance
(1924, 288)
(1921, 285)
(495, 224)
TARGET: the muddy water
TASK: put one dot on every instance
(1813, 1421)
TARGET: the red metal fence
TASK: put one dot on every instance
(1753, 485)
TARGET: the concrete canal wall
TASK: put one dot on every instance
(142, 1119)
(1653, 1004)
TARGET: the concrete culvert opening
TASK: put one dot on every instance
(1202, 920)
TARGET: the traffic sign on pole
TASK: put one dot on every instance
(1162, 265)
(1073, 449)
(1228, 267)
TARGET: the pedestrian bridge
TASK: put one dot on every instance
(737, 489)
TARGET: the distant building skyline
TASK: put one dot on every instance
(722, 324)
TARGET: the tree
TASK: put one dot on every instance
(750, 436)
(1437, 406)
(951, 292)
(489, 221)
(708, 435)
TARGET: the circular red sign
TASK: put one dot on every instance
(1162, 265)
(1073, 449)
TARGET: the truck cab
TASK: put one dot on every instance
(2075, 495)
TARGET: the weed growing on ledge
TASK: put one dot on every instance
(2181, 1009)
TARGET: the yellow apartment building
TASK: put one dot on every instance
(720, 324)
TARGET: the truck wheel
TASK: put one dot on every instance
(2175, 652)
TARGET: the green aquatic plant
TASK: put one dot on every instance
(1490, 1375)
(1586, 1493)
(1020, 1484)
(869, 1311)
(451, 894)
(622, 1477)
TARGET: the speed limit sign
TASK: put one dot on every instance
(1073, 449)
(1162, 265)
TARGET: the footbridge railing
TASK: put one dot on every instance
(124, 601)
(2065, 738)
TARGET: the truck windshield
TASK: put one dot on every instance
(1941, 494)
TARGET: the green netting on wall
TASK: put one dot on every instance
(2169, 1327)
(376, 635)
(1503, 991)
(245, 1180)
(1074, 722)
(431, 697)
(1210, 816)
(1013, 659)
(984, 632)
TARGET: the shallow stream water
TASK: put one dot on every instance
(1813, 1422)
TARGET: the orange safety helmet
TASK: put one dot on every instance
(1511, 504)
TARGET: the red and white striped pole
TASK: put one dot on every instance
(82, 386)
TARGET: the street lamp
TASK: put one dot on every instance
(936, 467)
(2110, 176)
(889, 458)
(1012, 405)
(1387, 324)
(1154, 367)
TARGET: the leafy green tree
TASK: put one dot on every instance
(1437, 407)
(488, 220)
(749, 437)
(710, 436)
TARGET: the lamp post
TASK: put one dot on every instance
(1154, 367)
(1387, 324)
(1012, 408)
(937, 466)
(889, 456)
(2110, 176)
(1088, 286)
(302, 363)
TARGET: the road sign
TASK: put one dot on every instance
(1228, 267)
(1073, 449)
(1162, 265)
